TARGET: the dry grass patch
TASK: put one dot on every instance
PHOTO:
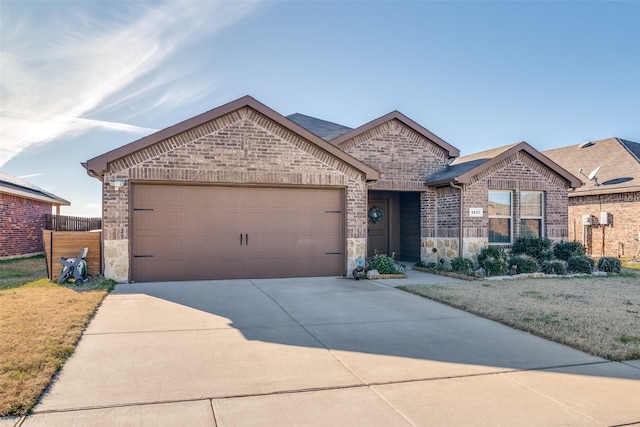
(600, 316)
(40, 324)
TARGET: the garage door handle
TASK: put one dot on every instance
(246, 239)
(240, 239)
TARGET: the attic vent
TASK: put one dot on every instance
(586, 144)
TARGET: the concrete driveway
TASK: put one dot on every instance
(319, 352)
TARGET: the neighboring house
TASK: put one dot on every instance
(244, 192)
(604, 213)
(23, 207)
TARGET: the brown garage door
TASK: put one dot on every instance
(201, 232)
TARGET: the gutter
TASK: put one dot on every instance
(460, 232)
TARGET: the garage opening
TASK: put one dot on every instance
(191, 232)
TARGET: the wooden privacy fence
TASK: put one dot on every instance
(68, 244)
(71, 223)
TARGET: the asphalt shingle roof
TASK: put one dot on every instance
(322, 128)
(618, 160)
(464, 164)
(14, 185)
(462, 169)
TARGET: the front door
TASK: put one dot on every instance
(378, 227)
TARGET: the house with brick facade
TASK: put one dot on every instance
(242, 191)
(494, 196)
(23, 207)
(603, 214)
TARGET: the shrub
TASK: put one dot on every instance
(554, 267)
(523, 264)
(493, 260)
(420, 264)
(609, 264)
(462, 265)
(580, 264)
(385, 264)
(565, 250)
(433, 265)
(535, 247)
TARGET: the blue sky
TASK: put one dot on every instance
(80, 78)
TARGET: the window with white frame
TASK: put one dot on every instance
(500, 215)
(531, 213)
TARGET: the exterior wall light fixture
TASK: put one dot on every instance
(117, 183)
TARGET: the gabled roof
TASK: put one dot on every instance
(98, 165)
(15, 186)
(322, 128)
(463, 169)
(396, 115)
(618, 160)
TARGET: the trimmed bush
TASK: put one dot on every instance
(554, 267)
(523, 264)
(493, 260)
(580, 264)
(565, 250)
(609, 264)
(535, 247)
(462, 265)
(385, 264)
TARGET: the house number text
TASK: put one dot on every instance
(475, 211)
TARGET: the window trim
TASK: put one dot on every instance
(509, 217)
(542, 209)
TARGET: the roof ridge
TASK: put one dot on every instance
(635, 154)
(13, 183)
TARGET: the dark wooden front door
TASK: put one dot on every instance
(378, 232)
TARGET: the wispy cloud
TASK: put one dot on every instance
(31, 175)
(76, 69)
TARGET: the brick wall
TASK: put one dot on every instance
(520, 172)
(517, 173)
(21, 224)
(403, 157)
(620, 239)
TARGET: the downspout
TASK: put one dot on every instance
(459, 187)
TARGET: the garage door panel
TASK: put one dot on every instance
(194, 232)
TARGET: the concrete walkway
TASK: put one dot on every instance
(322, 352)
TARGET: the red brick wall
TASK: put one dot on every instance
(403, 157)
(620, 239)
(21, 224)
(517, 173)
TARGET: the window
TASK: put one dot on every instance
(500, 217)
(531, 208)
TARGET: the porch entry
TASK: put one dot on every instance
(394, 224)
